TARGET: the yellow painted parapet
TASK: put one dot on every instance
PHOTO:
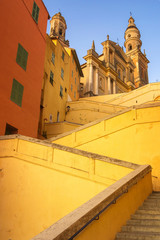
(41, 182)
(56, 128)
(145, 94)
(111, 208)
(131, 135)
(141, 95)
(83, 112)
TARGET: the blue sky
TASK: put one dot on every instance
(89, 20)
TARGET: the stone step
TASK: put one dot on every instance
(155, 193)
(142, 228)
(154, 196)
(150, 207)
(137, 236)
(145, 216)
(146, 222)
(157, 204)
(147, 211)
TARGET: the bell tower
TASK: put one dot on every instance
(58, 28)
(132, 37)
(133, 45)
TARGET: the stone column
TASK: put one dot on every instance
(109, 85)
(114, 87)
(96, 82)
(108, 58)
(90, 87)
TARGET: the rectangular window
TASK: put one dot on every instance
(51, 77)
(71, 87)
(74, 94)
(63, 55)
(62, 73)
(61, 91)
(10, 130)
(22, 56)
(53, 58)
(17, 92)
(35, 12)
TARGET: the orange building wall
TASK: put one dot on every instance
(18, 26)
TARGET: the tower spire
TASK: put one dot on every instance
(93, 45)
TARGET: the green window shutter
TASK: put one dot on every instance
(62, 73)
(17, 92)
(53, 58)
(51, 77)
(61, 91)
(35, 12)
(19, 53)
(63, 55)
(22, 57)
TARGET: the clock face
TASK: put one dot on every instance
(129, 35)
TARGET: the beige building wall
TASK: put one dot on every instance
(55, 84)
(74, 75)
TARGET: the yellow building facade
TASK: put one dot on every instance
(61, 75)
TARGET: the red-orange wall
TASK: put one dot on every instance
(18, 26)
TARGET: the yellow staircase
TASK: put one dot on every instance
(145, 223)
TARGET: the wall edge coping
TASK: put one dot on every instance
(112, 115)
(73, 150)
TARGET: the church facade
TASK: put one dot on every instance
(115, 71)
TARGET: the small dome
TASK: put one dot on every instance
(131, 24)
(60, 17)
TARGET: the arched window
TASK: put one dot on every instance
(129, 47)
(60, 31)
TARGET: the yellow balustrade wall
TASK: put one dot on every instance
(54, 129)
(132, 136)
(40, 183)
(83, 112)
(141, 95)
